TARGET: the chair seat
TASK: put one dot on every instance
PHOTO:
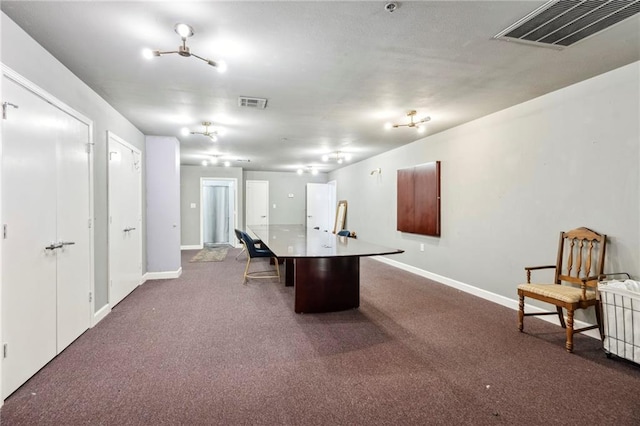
(565, 293)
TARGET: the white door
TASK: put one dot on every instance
(73, 232)
(125, 218)
(45, 203)
(319, 206)
(257, 201)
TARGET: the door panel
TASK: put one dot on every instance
(318, 206)
(29, 211)
(257, 202)
(125, 215)
(73, 213)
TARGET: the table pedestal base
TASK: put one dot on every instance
(324, 284)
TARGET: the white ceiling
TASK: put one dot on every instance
(333, 72)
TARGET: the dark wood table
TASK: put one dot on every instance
(323, 268)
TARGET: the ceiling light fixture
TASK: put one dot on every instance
(185, 31)
(338, 157)
(210, 134)
(411, 123)
(310, 169)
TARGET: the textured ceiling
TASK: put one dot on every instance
(333, 72)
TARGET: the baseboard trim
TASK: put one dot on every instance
(191, 247)
(484, 294)
(100, 314)
(165, 275)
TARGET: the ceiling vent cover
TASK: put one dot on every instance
(245, 101)
(561, 23)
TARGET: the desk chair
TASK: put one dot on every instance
(254, 252)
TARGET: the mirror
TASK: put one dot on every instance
(341, 216)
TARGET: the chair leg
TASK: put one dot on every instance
(246, 270)
(561, 316)
(521, 313)
(275, 262)
(598, 307)
(569, 344)
(244, 249)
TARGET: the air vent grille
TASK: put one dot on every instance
(561, 23)
(245, 101)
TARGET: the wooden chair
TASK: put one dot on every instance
(575, 282)
(253, 252)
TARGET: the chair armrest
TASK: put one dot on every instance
(611, 274)
(534, 268)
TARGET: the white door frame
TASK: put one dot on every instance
(233, 205)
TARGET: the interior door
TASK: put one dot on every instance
(29, 214)
(73, 231)
(319, 206)
(125, 218)
(257, 210)
(46, 254)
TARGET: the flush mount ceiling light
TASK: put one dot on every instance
(411, 123)
(185, 31)
(310, 169)
(338, 157)
(210, 134)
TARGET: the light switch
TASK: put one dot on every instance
(290, 195)
(274, 205)
(193, 205)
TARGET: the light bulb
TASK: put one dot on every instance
(147, 53)
(299, 171)
(214, 138)
(221, 66)
(184, 30)
(227, 163)
(204, 162)
(347, 157)
(339, 160)
(214, 160)
(388, 126)
(314, 171)
(325, 158)
(185, 131)
(421, 129)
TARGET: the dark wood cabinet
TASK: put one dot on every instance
(419, 199)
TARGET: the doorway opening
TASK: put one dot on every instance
(218, 200)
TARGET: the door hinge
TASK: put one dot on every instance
(89, 223)
(90, 297)
(4, 109)
(4, 231)
(89, 147)
(5, 350)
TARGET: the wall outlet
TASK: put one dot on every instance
(421, 246)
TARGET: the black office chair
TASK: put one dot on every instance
(344, 233)
(244, 248)
(256, 252)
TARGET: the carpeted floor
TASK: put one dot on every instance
(206, 350)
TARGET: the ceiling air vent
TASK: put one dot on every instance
(245, 101)
(561, 23)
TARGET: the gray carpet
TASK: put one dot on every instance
(206, 350)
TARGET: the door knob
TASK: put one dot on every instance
(53, 246)
(66, 243)
(129, 229)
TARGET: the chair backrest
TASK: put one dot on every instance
(238, 235)
(249, 244)
(580, 255)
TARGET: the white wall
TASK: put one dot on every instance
(512, 181)
(23, 55)
(281, 184)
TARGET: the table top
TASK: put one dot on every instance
(293, 241)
